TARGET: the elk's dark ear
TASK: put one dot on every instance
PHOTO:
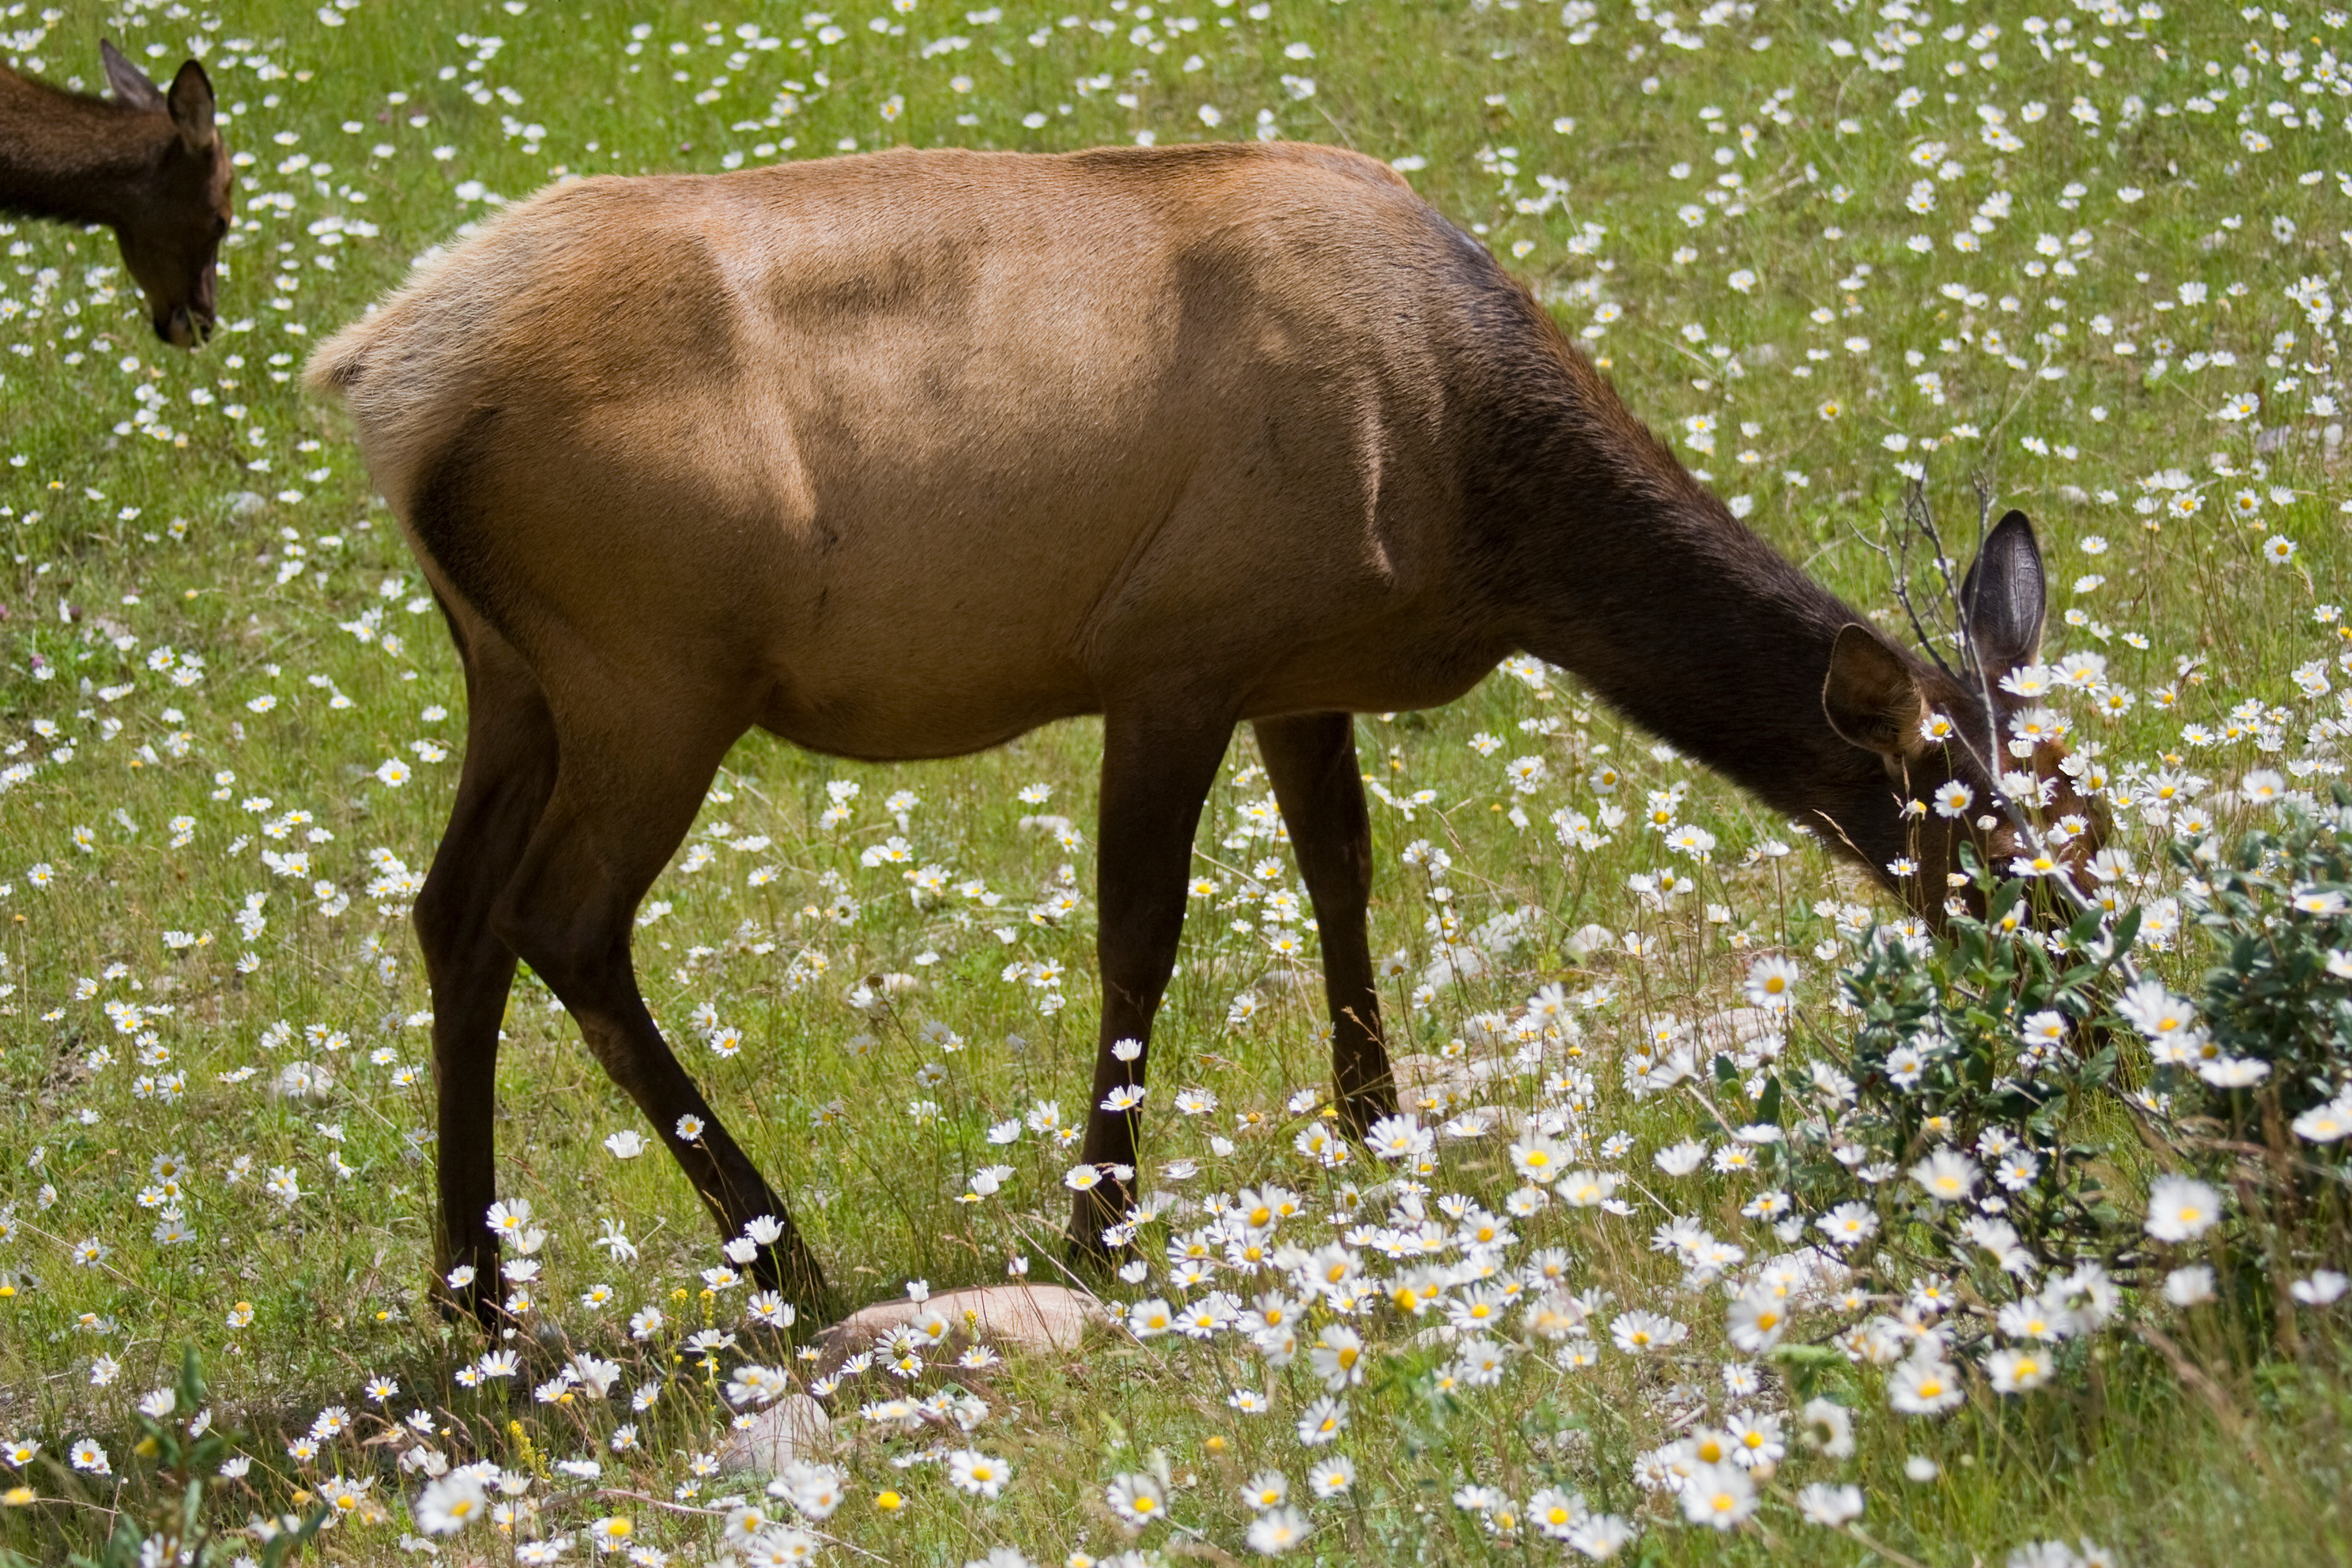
(130, 83)
(2004, 596)
(192, 107)
(1870, 696)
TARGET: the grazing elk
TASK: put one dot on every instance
(903, 455)
(150, 165)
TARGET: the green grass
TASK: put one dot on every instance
(1792, 291)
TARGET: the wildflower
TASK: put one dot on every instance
(1137, 1499)
(2232, 1073)
(1640, 1331)
(1770, 983)
(2327, 1123)
(1757, 1321)
(782, 1548)
(88, 1456)
(2180, 1208)
(450, 1504)
(1829, 1427)
(1398, 1137)
(1948, 1175)
(2155, 1012)
(1680, 1159)
(1587, 1189)
(1756, 1442)
(2014, 1371)
(1337, 1357)
(1537, 1156)
(1924, 1385)
(1557, 1513)
(1321, 1422)
(1830, 1505)
(2189, 1286)
(816, 1490)
(1720, 1496)
(1277, 1531)
(972, 1471)
(2324, 1288)
(2047, 1027)
(1332, 1477)
(1601, 1537)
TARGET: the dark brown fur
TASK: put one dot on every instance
(149, 164)
(901, 455)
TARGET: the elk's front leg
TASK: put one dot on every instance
(1156, 769)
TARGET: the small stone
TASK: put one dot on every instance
(1039, 1319)
(794, 1428)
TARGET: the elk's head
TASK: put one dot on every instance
(171, 240)
(1968, 756)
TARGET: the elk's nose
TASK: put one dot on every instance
(177, 329)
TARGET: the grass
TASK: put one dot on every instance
(1781, 327)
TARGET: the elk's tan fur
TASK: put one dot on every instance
(903, 455)
(948, 445)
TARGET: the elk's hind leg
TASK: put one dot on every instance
(1311, 758)
(633, 771)
(503, 786)
(1156, 771)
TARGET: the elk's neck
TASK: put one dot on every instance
(1629, 573)
(71, 158)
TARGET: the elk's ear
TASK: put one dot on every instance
(2004, 597)
(130, 83)
(192, 107)
(1870, 696)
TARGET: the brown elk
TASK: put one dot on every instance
(150, 164)
(903, 455)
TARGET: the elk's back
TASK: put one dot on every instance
(928, 448)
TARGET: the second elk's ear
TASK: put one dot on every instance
(2004, 597)
(130, 83)
(1870, 696)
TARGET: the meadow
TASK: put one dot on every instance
(2017, 1243)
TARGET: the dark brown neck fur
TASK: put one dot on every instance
(1613, 561)
(72, 157)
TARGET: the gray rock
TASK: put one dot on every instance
(1009, 1319)
(794, 1428)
